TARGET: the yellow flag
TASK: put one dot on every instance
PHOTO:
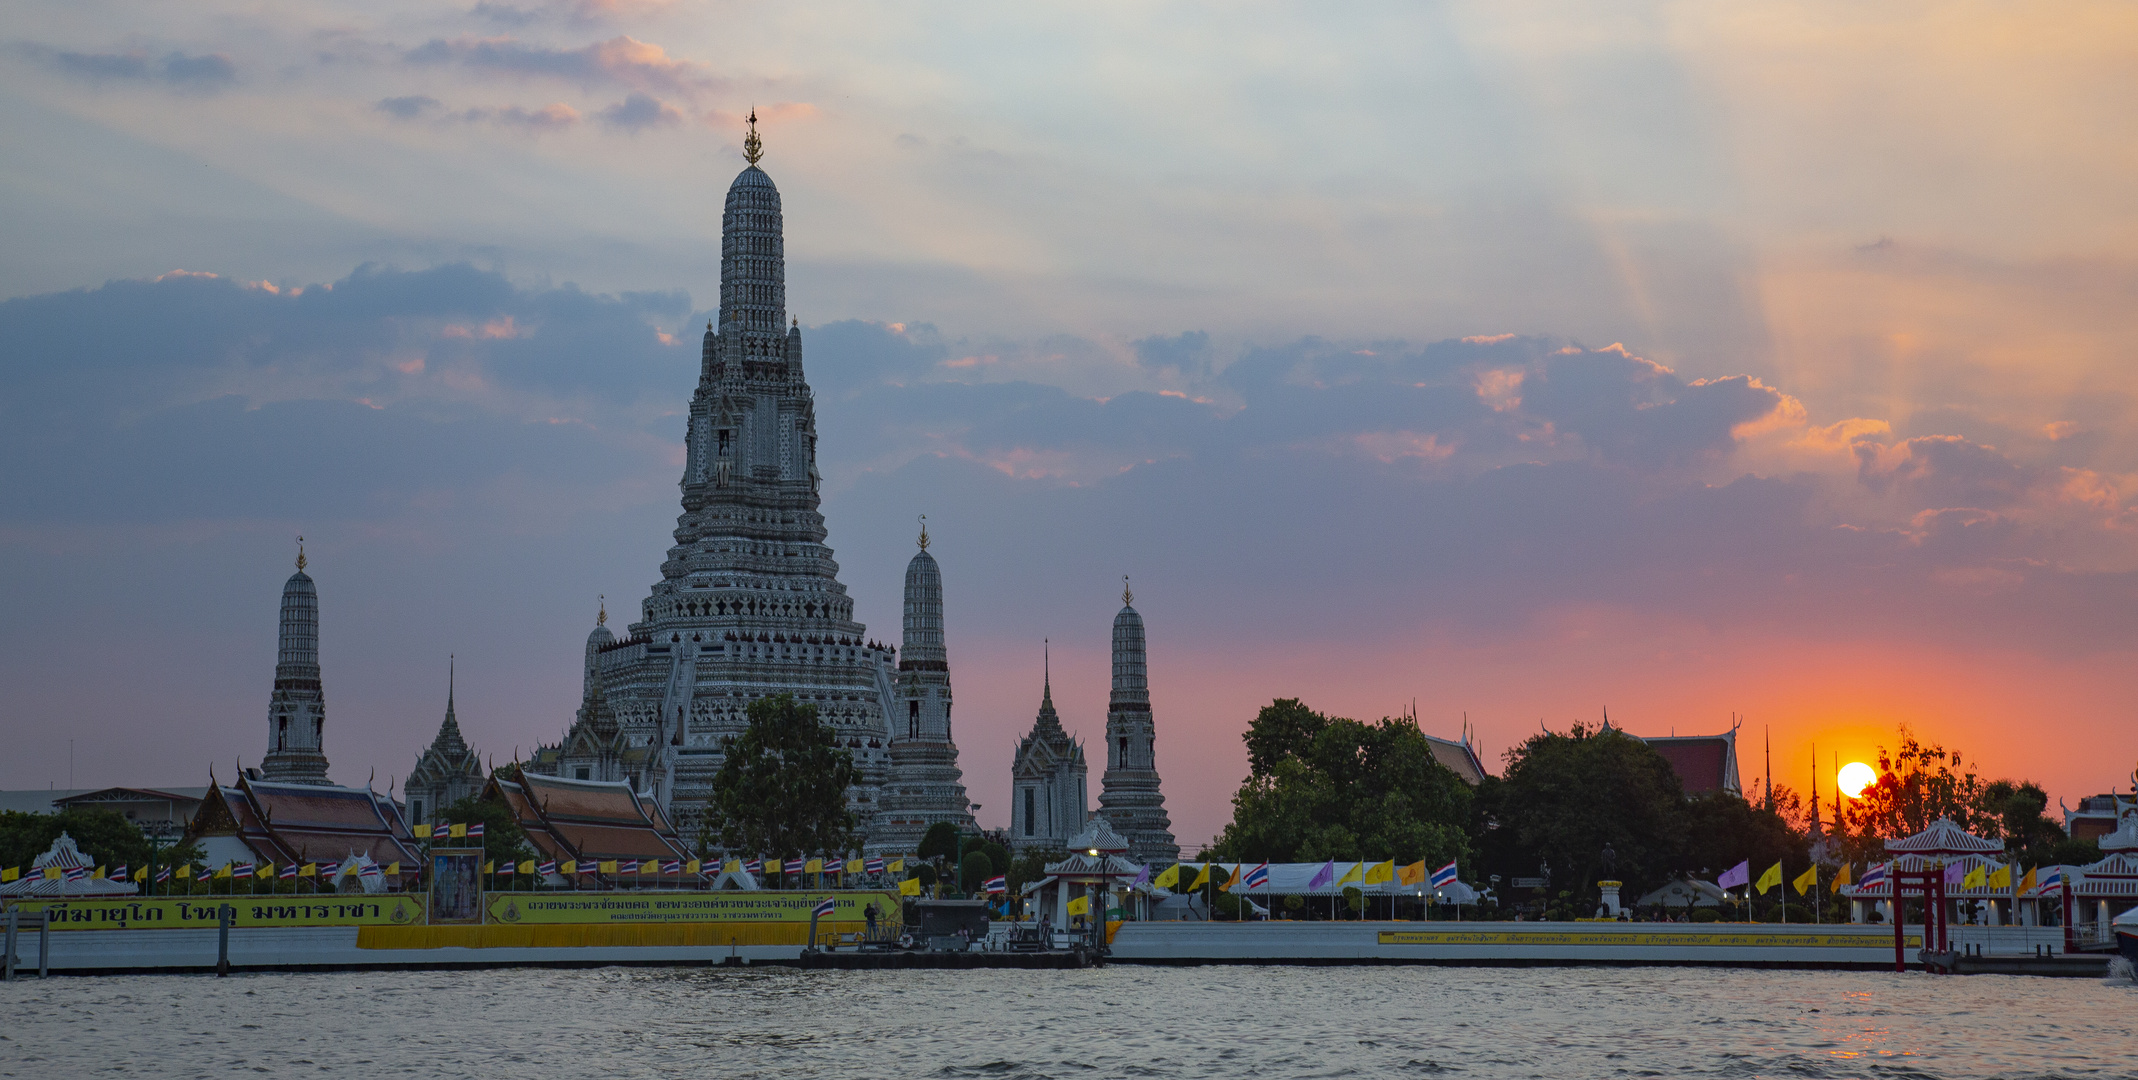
(526, 866)
(569, 868)
(607, 866)
(909, 887)
(308, 870)
(10, 873)
(1357, 871)
(1772, 879)
(224, 872)
(184, 871)
(266, 870)
(458, 831)
(1842, 878)
(100, 871)
(423, 832)
(2001, 878)
(692, 867)
(2026, 884)
(898, 866)
(1201, 878)
(490, 866)
(1234, 879)
(732, 866)
(1169, 878)
(1978, 878)
(141, 874)
(393, 869)
(1080, 906)
(53, 873)
(1414, 874)
(813, 866)
(855, 866)
(1808, 880)
(1381, 872)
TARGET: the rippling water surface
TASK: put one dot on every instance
(1234, 1022)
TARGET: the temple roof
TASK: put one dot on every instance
(287, 822)
(587, 819)
(1944, 838)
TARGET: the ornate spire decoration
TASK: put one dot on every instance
(924, 532)
(602, 619)
(753, 148)
(1128, 599)
(300, 553)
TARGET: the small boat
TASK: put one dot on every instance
(2126, 929)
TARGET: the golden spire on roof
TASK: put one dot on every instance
(300, 553)
(753, 148)
(603, 618)
(1128, 598)
(924, 532)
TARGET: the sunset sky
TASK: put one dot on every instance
(1519, 360)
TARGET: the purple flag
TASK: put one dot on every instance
(1736, 876)
(1323, 877)
(1955, 873)
(1143, 876)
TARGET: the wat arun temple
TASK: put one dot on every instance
(749, 604)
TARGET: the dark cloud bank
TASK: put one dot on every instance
(1335, 491)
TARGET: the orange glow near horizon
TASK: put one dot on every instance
(1854, 777)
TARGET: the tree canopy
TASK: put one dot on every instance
(103, 835)
(1324, 787)
(1566, 797)
(503, 839)
(782, 788)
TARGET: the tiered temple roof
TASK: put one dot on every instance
(585, 819)
(300, 822)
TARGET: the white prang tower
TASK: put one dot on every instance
(1129, 798)
(925, 785)
(297, 709)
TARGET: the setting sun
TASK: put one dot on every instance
(1855, 776)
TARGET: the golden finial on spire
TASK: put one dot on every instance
(753, 148)
(603, 618)
(1127, 598)
(924, 532)
(300, 553)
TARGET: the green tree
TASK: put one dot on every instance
(782, 787)
(1917, 784)
(1565, 798)
(103, 835)
(973, 871)
(939, 842)
(2018, 811)
(1332, 788)
(1722, 830)
(1032, 866)
(503, 839)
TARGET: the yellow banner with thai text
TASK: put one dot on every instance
(636, 906)
(196, 912)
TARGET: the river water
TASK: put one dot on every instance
(1232, 1022)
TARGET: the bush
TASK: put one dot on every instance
(1706, 914)
(973, 872)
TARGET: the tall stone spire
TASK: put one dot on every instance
(748, 603)
(1129, 797)
(1048, 801)
(446, 772)
(297, 708)
(925, 785)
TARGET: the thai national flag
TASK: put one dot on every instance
(371, 871)
(505, 870)
(796, 866)
(2050, 882)
(548, 867)
(672, 866)
(243, 869)
(874, 866)
(289, 870)
(589, 866)
(628, 866)
(1872, 875)
(76, 873)
(825, 907)
(1445, 876)
(998, 885)
(328, 869)
(1257, 878)
(163, 875)
(120, 873)
(475, 831)
(754, 867)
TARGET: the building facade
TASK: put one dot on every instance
(1048, 800)
(297, 707)
(446, 773)
(749, 602)
(1129, 795)
(924, 785)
